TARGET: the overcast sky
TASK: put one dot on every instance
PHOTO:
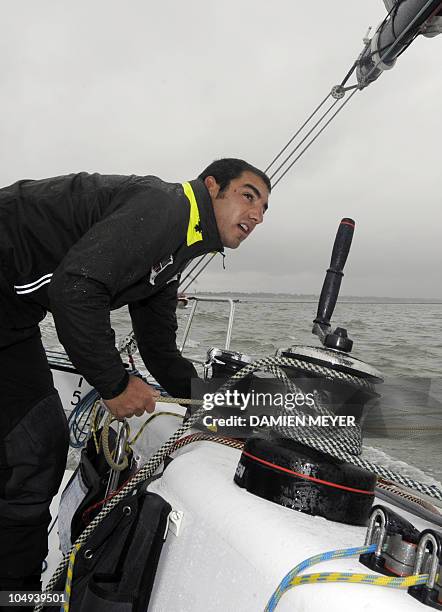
(166, 87)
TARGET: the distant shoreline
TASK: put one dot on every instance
(311, 298)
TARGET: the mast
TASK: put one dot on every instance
(406, 19)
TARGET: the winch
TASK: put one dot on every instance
(298, 477)
(223, 363)
(281, 464)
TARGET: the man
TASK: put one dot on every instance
(80, 246)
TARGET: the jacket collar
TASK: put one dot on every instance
(209, 228)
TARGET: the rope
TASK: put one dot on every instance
(347, 440)
(154, 416)
(204, 437)
(373, 579)
(117, 467)
(104, 438)
(330, 446)
(94, 425)
(180, 400)
(78, 421)
(385, 485)
(69, 575)
(292, 579)
(291, 362)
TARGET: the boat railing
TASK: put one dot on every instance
(195, 300)
(60, 359)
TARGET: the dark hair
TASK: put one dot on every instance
(227, 169)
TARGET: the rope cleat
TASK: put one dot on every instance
(429, 561)
(396, 543)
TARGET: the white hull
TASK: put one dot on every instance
(234, 548)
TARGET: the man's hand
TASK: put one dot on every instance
(137, 398)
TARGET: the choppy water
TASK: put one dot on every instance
(404, 341)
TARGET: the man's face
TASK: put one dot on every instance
(239, 208)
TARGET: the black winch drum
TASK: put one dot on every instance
(295, 476)
(225, 363)
(222, 364)
(332, 359)
(340, 392)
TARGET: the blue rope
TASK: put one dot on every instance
(284, 585)
(78, 421)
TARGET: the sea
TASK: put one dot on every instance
(402, 340)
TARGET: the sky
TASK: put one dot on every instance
(164, 88)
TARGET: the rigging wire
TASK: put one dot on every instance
(303, 140)
(297, 132)
(286, 146)
(349, 73)
(201, 270)
(315, 137)
(283, 167)
(282, 151)
(343, 82)
(390, 16)
(198, 262)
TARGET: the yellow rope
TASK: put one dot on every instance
(104, 438)
(396, 582)
(148, 420)
(94, 425)
(103, 441)
(374, 579)
(69, 575)
(118, 467)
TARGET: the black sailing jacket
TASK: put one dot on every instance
(82, 245)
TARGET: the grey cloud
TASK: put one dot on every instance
(165, 88)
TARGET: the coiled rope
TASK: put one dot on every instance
(332, 446)
(78, 421)
(104, 438)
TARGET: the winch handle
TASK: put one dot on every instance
(332, 282)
